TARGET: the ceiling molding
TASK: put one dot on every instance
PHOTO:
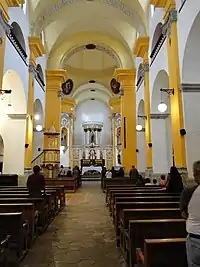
(99, 47)
(45, 17)
(98, 74)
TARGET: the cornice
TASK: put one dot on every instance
(141, 47)
(125, 74)
(14, 3)
(57, 76)
(36, 46)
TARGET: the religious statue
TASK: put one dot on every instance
(92, 138)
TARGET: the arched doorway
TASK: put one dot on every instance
(191, 94)
(1, 153)
(38, 128)
(141, 154)
(13, 123)
(162, 150)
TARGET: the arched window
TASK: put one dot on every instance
(140, 75)
(157, 41)
(17, 38)
(40, 75)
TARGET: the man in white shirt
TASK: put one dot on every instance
(190, 209)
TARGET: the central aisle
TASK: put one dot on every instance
(82, 235)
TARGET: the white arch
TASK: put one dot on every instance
(13, 128)
(161, 127)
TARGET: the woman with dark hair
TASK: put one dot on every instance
(175, 184)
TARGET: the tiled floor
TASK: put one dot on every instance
(82, 235)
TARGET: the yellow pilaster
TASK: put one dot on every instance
(126, 77)
(36, 50)
(115, 105)
(141, 50)
(176, 99)
(54, 80)
(67, 106)
(176, 105)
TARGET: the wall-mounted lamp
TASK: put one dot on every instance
(39, 128)
(142, 117)
(6, 91)
(162, 107)
(139, 127)
(168, 91)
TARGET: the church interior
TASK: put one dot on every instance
(91, 88)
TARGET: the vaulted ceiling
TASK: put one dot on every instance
(69, 25)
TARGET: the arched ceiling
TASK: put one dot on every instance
(69, 25)
(92, 91)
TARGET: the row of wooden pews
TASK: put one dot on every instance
(149, 229)
(23, 218)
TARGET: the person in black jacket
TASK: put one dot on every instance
(175, 184)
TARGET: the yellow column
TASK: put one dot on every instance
(67, 106)
(115, 108)
(4, 5)
(54, 80)
(141, 50)
(126, 77)
(170, 30)
(36, 50)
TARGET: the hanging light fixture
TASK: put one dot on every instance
(162, 107)
(39, 128)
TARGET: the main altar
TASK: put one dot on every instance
(92, 155)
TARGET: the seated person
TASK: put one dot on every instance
(108, 174)
(69, 172)
(154, 182)
(62, 171)
(148, 181)
(163, 180)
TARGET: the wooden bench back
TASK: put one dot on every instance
(141, 214)
(165, 252)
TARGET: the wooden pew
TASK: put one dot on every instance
(143, 197)
(28, 215)
(12, 224)
(111, 191)
(170, 252)
(60, 192)
(50, 196)
(131, 188)
(4, 244)
(47, 212)
(70, 183)
(142, 203)
(141, 214)
(40, 205)
(117, 181)
(139, 230)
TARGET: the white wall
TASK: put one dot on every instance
(184, 24)
(190, 65)
(92, 111)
